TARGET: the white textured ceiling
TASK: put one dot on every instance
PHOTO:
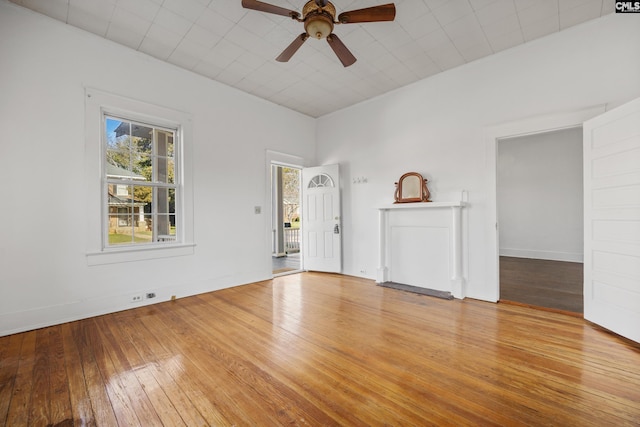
(225, 42)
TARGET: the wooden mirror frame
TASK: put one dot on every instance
(411, 188)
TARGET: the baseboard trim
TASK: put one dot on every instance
(550, 255)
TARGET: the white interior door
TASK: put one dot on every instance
(612, 220)
(321, 227)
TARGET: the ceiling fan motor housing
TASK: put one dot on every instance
(318, 21)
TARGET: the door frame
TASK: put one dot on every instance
(280, 159)
(533, 125)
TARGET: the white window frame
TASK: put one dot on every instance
(98, 105)
(154, 184)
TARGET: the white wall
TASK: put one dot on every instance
(540, 196)
(45, 278)
(437, 127)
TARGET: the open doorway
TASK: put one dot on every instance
(285, 219)
(540, 216)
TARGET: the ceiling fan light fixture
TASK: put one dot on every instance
(318, 27)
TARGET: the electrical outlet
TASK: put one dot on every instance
(136, 298)
(151, 295)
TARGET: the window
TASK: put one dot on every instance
(319, 181)
(140, 182)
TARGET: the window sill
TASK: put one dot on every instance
(120, 255)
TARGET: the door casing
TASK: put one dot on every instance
(509, 130)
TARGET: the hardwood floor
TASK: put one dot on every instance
(316, 349)
(542, 283)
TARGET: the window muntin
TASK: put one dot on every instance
(140, 183)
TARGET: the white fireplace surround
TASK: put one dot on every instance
(421, 244)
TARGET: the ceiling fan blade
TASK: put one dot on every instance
(269, 8)
(344, 55)
(292, 48)
(385, 12)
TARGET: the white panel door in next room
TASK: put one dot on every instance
(321, 227)
(612, 220)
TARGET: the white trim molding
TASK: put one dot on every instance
(523, 127)
(96, 103)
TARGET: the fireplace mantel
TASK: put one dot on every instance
(421, 244)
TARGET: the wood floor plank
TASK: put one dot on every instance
(60, 406)
(131, 393)
(166, 371)
(323, 349)
(115, 382)
(125, 330)
(18, 414)
(81, 410)
(177, 366)
(40, 399)
(83, 336)
(9, 361)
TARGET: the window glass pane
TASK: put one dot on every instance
(143, 196)
(142, 167)
(166, 223)
(117, 165)
(120, 219)
(118, 149)
(165, 170)
(142, 230)
(142, 133)
(141, 149)
(119, 195)
(115, 129)
(164, 160)
(166, 200)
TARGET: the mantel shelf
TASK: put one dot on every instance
(423, 205)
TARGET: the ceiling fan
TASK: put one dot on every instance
(319, 17)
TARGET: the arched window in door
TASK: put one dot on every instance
(319, 181)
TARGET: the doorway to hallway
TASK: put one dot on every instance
(540, 217)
